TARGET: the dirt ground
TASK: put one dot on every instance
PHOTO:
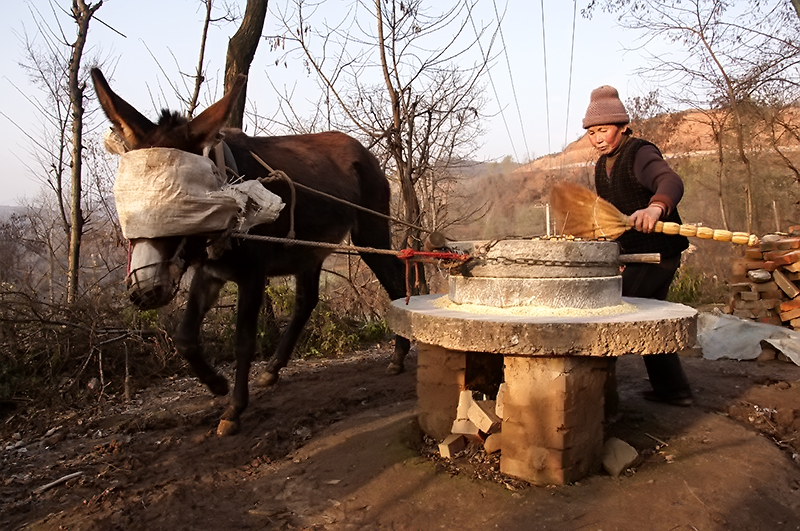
(335, 446)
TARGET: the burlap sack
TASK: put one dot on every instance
(167, 192)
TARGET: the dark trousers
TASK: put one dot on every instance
(651, 281)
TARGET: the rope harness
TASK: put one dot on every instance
(445, 259)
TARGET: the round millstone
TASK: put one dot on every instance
(539, 258)
(593, 292)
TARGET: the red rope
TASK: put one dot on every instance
(421, 256)
(410, 255)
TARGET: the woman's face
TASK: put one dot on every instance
(605, 138)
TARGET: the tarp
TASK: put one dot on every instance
(163, 192)
(725, 336)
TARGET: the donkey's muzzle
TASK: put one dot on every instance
(152, 286)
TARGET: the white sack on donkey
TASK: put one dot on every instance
(162, 192)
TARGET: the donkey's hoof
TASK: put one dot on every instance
(227, 427)
(267, 379)
(394, 368)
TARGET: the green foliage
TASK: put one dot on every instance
(694, 287)
(282, 297)
(138, 319)
(327, 335)
(374, 331)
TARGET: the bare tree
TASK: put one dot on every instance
(421, 114)
(53, 66)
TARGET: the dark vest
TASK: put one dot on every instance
(626, 193)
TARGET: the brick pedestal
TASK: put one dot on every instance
(440, 379)
(553, 418)
(555, 369)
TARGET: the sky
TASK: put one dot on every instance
(151, 38)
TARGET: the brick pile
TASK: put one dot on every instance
(476, 420)
(765, 283)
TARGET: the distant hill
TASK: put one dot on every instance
(6, 211)
(516, 198)
(687, 133)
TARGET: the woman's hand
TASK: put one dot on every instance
(644, 220)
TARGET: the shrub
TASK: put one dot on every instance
(694, 287)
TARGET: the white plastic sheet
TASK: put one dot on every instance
(163, 192)
(725, 336)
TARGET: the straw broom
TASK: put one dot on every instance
(581, 213)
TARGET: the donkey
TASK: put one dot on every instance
(331, 162)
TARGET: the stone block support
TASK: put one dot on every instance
(553, 418)
(440, 378)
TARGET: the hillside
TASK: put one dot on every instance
(517, 198)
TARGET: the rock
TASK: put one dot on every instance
(618, 456)
(759, 275)
(493, 443)
(767, 354)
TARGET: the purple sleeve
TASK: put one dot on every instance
(653, 172)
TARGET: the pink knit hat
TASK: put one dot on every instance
(605, 108)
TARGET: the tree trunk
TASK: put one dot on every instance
(241, 50)
(82, 14)
(731, 93)
(720, 173)
(402, 155)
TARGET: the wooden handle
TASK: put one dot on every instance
(640, 258)
(706, 233)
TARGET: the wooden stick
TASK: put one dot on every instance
(39, 490)
(640, 258)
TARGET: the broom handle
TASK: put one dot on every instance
(706, 233)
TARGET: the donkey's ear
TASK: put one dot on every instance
(129, 122)
(205, 127)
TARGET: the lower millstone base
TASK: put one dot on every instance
(589, 292)
(552, 428)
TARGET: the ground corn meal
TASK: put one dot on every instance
(445, 303)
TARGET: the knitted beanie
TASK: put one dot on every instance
(605, 108)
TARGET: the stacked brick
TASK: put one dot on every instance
(765, 283)
(477, 420)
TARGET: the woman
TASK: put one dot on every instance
(633, 176)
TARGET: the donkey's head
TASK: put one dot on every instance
(156, 265)
(172, 130)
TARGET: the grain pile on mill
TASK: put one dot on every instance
(765, 283)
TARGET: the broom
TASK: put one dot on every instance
(581, 213)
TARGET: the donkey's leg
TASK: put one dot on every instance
(248, 304)
(390, 272)
(305, 300)
(203, 295)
